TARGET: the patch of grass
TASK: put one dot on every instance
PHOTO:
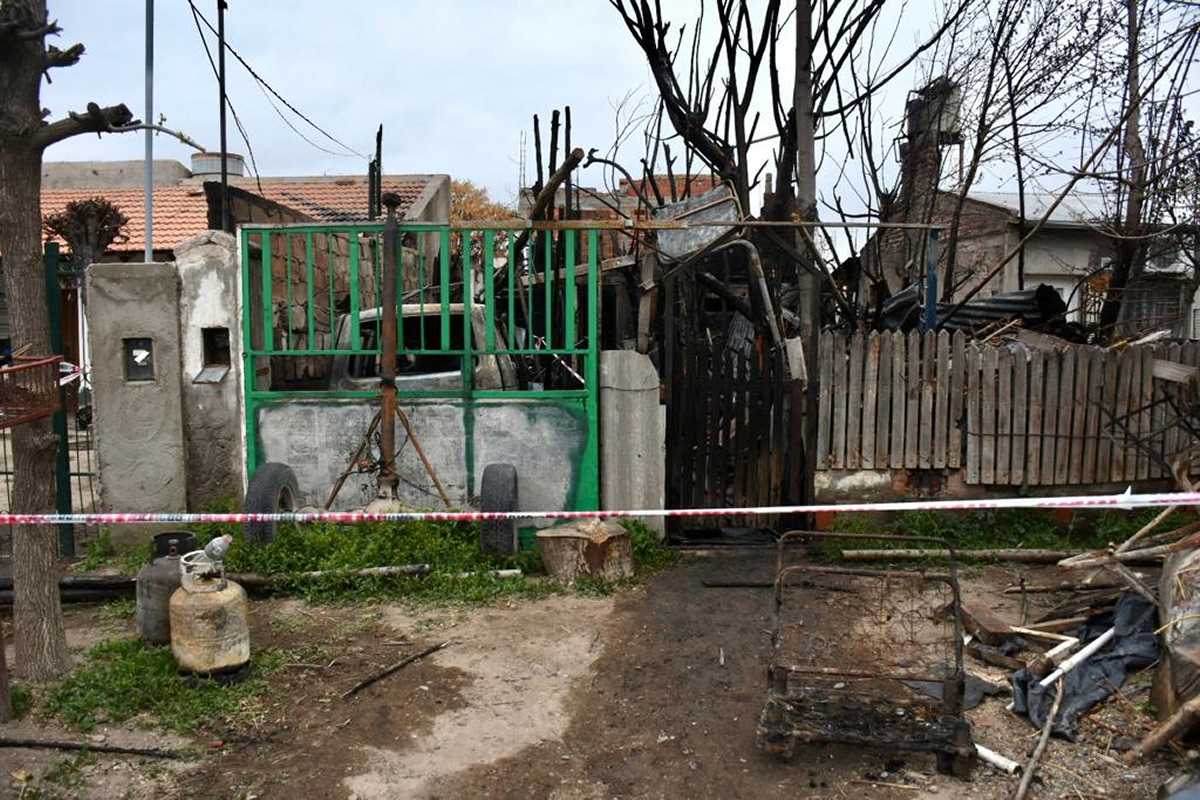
(649, 554)
(22, 699)
(100, 553)
(121, 680)
(121, 610)
(973, 530)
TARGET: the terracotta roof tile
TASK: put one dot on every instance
(181, 212)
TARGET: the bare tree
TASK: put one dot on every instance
(40, 641)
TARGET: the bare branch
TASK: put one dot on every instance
(96, 120)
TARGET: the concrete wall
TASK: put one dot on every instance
(138, 424)
(543, 440)
(632, 435)
(212, 397)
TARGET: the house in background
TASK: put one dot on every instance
(187, 202)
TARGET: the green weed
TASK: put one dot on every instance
(972, 530)
(21, 698)
(124, 679)
(118, 611)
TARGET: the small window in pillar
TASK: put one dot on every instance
(139, 359)
(214, 344)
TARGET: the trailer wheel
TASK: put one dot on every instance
(498, 492)
(272, 489)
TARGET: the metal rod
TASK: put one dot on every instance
(148, 170)
(225, 226)
(388, 479)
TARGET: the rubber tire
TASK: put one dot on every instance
(273, 488)
(498, 492)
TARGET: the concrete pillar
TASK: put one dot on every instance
(210, 347)
(133, 333)
(632, 435)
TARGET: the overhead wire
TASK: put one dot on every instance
(237, 121)
(350, 151)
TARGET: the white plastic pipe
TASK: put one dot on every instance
(1078, 658)
(1002, 763)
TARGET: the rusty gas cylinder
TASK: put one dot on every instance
(157, 581)
(210, 629)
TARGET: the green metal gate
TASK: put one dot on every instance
(518, 301)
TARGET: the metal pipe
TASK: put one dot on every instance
(388, 479)
(148, 170)
(761, 280)
(225, 226)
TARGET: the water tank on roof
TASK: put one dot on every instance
(208, 165)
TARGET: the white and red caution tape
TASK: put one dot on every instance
(1124, 501)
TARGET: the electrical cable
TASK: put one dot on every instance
(236, 119)
(262, 83)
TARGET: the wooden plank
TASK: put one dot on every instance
(1134, 418)
(972, 368)
(1117, 429)
(1033, 447)
(1020, 418)
(854, 403)
(1173, 434)
(928, 363)
(1108, 409)
(825, 399)
(1093, 397)
(1066, 405)
(987, 414)
(958, 371)
(941, 431)
(896, 456)
(1004, 414)
(1168, 370)
(912, 402)
(1078, 416)
(883, 404)
(838, 440)
(1050, 419)
(870, 395)
(1158, 417)
(1147, 426)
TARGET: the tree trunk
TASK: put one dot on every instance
(38, 636)
(1129, 253)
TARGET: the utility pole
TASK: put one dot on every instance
(225, 223)
(148, 170)
(806, 200)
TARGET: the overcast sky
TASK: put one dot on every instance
(453, 81)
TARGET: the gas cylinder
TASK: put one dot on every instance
(157, 581)
(210, 630)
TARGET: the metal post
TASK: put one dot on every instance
(62, 461)
(225, 226)
(931, 281)
(388, 479)
(148, 170)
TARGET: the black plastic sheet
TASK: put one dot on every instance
(1134, 647)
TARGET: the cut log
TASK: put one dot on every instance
(992, 655)
(593, 548)
(1179, 723)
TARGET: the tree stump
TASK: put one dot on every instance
(592, 548)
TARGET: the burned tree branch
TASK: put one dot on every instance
(546, 196)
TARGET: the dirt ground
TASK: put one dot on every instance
(567, 698)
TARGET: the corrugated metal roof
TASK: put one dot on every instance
(1076, 209)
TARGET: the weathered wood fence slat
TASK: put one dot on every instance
(1006, 415)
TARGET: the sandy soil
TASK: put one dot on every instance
(573, 699)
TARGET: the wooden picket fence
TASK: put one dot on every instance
(1004, 415)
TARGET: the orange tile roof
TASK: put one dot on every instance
(181, 211)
